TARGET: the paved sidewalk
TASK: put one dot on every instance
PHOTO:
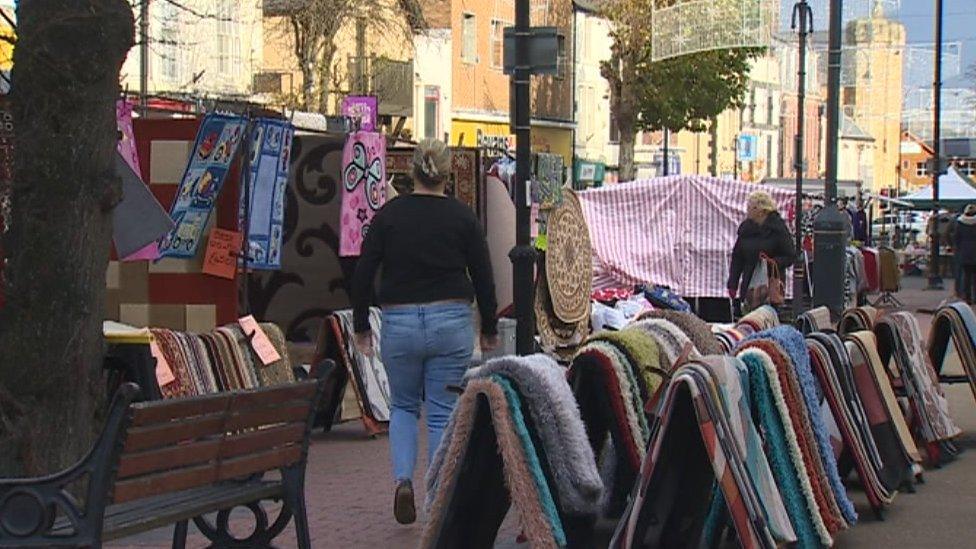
(349, 489)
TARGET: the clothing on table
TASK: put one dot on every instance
(431, 249)
(771, 238)
(426, 350)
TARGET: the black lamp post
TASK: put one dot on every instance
(802, 17)
(831, 226)
(523, 255)
(935, 270)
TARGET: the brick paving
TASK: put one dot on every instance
(349, 489)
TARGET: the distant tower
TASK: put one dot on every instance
(872, 94)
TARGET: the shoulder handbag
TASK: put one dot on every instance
(777, 288)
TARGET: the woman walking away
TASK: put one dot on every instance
(762, 235)
(965, 243)
(434, 261)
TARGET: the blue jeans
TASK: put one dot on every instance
(425, 348)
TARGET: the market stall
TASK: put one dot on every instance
(955, 191)
(674, 231)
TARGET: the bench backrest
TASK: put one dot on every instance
(177, 445)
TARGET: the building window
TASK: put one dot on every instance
(769, 109)
(921, 169)
(967, 168)
(228, 39)
(432, 111)
(469, 38)
(498, 43)
(752, 106)
(562, 60)
(905, 165)
(169, 43)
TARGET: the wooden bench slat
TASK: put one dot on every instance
(172, 457)
(159, 436)
(263, 439)
(162, 483)
(126, 519)
(261, 417)
(273, 395)
(256, 463)
(162, 411)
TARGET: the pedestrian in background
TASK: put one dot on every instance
(965, 244)
(434, 260)
(763, 235)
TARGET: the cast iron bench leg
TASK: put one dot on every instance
(292, 479)
(179, 534)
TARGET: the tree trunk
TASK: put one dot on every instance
(308, 82)
(626, 115)
(306, 46)
(325, 74)
(65, 84)
(627, 138)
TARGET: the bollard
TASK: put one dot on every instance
(830, 238)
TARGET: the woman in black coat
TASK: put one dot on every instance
(762, 233)
(964, 240)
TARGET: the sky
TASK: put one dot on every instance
(918, 16)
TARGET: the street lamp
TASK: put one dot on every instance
(802, 16)
(831, 226)
(935, 271)
(523, 255)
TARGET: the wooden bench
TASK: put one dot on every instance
(169, 462)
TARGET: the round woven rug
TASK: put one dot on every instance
(569, 261)
(554, 334)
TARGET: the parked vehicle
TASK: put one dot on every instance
(900, 227)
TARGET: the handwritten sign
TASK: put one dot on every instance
(164, 373)
(259, 340)
(222, 252)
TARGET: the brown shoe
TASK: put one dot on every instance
(403, 506)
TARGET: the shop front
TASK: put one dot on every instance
(496, 135)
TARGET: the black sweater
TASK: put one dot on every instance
(771, 238)
(964, 239)
(431, 248)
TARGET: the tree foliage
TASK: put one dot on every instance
(684, 93)
(680, 93)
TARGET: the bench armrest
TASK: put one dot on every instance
(30, 506)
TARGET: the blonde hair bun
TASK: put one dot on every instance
(431, 162)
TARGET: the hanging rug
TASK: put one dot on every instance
(569, 267)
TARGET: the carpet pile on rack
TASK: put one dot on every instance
(222, 360)
(366, 375)
(954, 326)
(750, 440)
(617, 379)
(515, 437)
(858, 319)
(900, 341)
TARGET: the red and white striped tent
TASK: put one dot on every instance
(675, 231)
